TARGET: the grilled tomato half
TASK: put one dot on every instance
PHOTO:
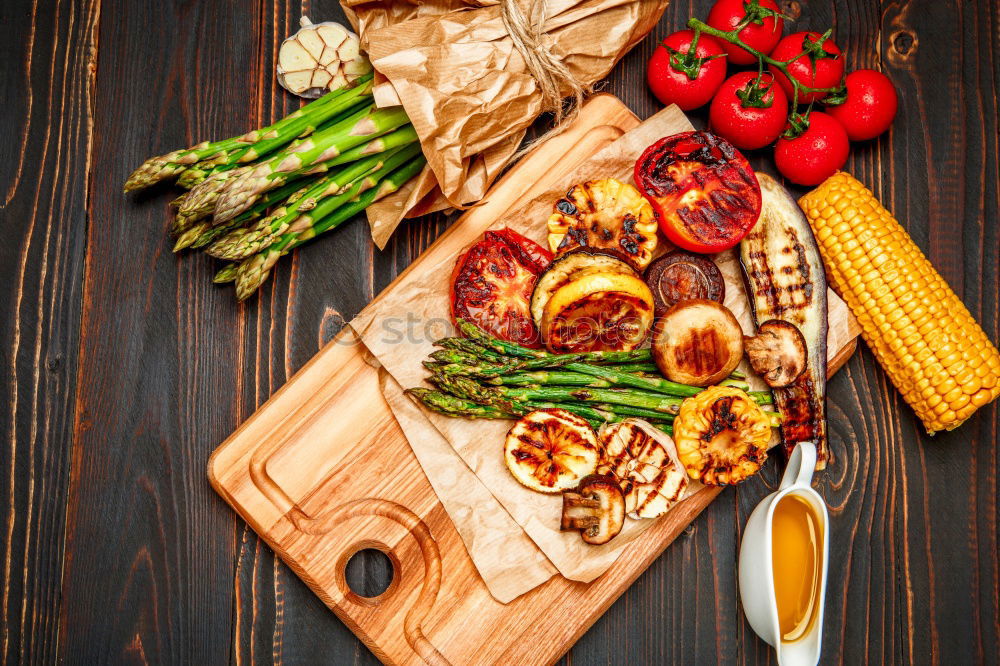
(492, 283)
(703, 189)
(605, 214)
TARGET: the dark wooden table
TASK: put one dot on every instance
(123, 366)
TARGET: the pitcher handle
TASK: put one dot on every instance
(801, 465)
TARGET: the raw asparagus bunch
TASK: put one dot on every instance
(250, 146)
(255, 197)
(479, 376)
(252, 272)
(312, 155)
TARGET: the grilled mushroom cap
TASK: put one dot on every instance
(697, 342)
(777, 352)
(596, 508)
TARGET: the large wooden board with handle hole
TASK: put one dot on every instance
(322, 471)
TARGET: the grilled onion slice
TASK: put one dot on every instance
(721, 436)
(550, 450)
(680, 276)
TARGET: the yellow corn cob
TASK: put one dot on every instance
(933, 350)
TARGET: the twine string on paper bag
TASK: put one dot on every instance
(550, 73)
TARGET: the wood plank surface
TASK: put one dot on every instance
(323, 470)
(124, 367)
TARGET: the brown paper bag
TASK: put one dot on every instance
(465, 85)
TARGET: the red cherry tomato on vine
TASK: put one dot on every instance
(870, 106)
(753, 121)
(763, 36)
(814, 155)
(820, 67)
(673, 86)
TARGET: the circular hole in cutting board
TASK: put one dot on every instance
(369, 573)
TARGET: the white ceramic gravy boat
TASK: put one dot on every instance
(756, 572)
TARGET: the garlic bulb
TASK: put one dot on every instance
(320, 57)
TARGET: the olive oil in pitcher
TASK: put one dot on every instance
(797, 561)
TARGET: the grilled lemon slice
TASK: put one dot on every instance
(550, 450)
(721, 436)
(607, 214)
(570, 266)
(598, 312)
(644, 461)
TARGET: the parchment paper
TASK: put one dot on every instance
(422, 297)
(454, 67)
(505, 557)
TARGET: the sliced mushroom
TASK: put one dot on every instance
(777, 353)
(596, 508)
(645, 463)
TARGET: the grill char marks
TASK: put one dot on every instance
(697, 342)
(550, 450)
(702, 187)
(788, 287)
(786, 281)
(700, 354)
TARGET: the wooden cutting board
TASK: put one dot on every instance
(322, 470)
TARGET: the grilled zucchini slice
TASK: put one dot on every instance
(565, 268)
(551, 450)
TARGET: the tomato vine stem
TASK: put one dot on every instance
(798, 121)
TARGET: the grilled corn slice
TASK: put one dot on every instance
(605, 214)
(933, 350)
(721, 436)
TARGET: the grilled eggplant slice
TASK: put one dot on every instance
(786, 281)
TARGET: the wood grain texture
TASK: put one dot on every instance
(323, 470)
(124, 367)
